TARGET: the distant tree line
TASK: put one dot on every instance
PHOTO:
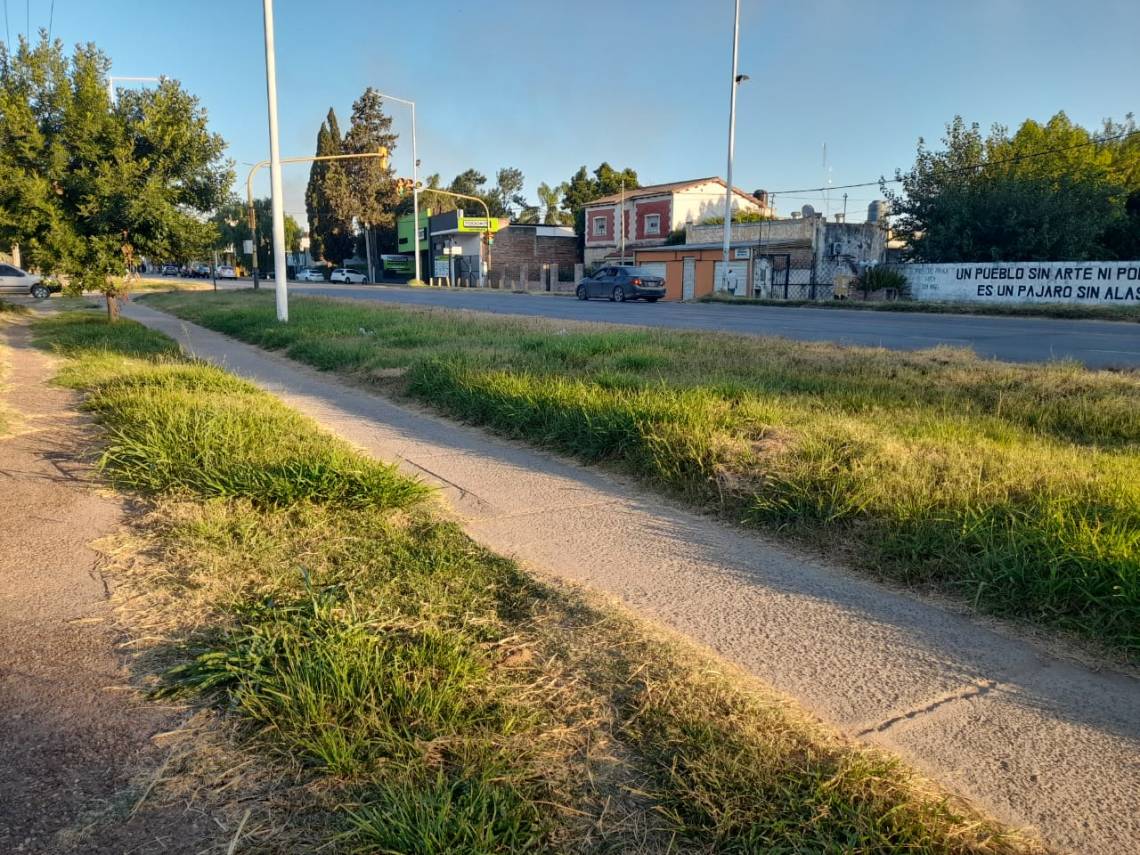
(1049, 192)
(232, 223)
(347, 200)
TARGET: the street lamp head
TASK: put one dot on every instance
(740, 78)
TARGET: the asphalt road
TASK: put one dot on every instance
(1099, 344)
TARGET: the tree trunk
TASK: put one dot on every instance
(112, 308)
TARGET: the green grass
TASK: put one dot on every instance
(1027, 310)
(182, 425)
(1012, 487)
(427, 696)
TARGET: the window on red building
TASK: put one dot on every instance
(599, 226)
(653, 224)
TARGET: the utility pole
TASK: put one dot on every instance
(415, 183)
(621, 221)
(253, 240)
(736, 80)
(276, 190)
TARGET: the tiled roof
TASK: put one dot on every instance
(655, 189)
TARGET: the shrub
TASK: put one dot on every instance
(883, 279)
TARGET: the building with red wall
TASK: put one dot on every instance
(650, 214)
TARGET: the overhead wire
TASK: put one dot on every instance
(971, 168)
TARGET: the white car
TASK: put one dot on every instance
(226, 272)
(311, 274)
(343, 274)
(13, 280)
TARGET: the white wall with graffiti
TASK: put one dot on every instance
(1109, 283)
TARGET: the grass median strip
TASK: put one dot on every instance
(1013, 487)
(429, 696)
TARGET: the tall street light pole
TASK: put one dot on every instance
(279, 261)
(112, 91)
(736, 80)
(415, 183)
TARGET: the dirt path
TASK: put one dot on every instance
(74, 737)
(1037, 740)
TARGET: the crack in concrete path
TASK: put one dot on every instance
(976, 690)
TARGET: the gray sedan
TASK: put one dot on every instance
(619, 284)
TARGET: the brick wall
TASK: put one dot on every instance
(517, 245)
(662, 208)
(611, 233)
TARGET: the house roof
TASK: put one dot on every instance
(672, 187)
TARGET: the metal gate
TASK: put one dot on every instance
(689, 278)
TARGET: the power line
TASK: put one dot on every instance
(1014, 159)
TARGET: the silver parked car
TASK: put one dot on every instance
(13, 280)
(311, 274)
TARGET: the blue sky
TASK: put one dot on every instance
(548, 86)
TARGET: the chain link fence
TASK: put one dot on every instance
(784, 276)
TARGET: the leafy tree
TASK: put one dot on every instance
(609, 180)
(507, 197)
(87, 188)
(328, 197)
(550, 200)
(470, 182)
(232, 224)
(582, 189)
(1050, 191)
(1122, 239)
(371, 185)
(579, 190)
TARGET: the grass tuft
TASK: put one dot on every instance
(7, 308)
(178, 424)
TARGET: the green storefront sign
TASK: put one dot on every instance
(478, 224)
(404, 232)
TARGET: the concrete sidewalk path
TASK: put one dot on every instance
(75, 729)
(1036, 740)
